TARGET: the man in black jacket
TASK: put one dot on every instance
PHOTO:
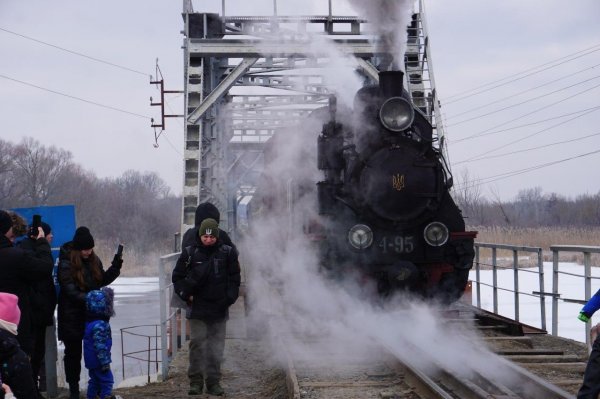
(43, 304)
(207, 276)
(19, 270)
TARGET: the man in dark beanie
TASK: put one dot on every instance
(47, 229)
(43, 303)
(207, 277)
(20, 270)
(209, 227)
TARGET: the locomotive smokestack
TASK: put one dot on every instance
(390, 83)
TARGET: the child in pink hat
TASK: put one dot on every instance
(16, 370)
(9, 312)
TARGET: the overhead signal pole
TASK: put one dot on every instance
(161, 104)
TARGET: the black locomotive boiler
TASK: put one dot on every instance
(384, 202)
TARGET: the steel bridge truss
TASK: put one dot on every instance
(246, 77)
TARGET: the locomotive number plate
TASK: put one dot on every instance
(397, 244)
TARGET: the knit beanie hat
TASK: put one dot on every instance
(9, 310)
(5, 222)
(83, 239)
(46, 227)
(210, 227)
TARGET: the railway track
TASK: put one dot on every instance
(506, 363)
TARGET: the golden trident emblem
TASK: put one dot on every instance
(398, 182)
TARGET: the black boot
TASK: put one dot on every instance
(214, 388)
(38, 395)
(73, 391)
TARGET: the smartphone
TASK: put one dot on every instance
(120, 250)
(36, 222)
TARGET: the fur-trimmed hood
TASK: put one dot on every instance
(100, 303)
(204, 211)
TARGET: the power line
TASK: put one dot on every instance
(527, 124)
(75, 52)
(506, 175)
(593, 50)
(545, 107)
(470, 110)
(75, 98)
(530, 149)
(525, 101)
(526, 137)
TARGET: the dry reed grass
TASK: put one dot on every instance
(136, 263)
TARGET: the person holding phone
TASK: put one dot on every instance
(79, 272)
(43, 300)
(20, 270)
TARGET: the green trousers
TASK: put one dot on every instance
(206, 350)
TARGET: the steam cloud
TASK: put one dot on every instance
(388, 19)
(285, 285)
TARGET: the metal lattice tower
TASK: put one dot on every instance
(247, 76)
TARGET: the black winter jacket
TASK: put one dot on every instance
(43, 294)
(204, 211)
(212, 278)
(15, 367)
(18, 270)
(71, 300)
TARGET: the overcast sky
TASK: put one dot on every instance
(473, 43)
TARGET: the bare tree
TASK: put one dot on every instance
(8, 182)
(469, 198)
(556, 210)
(529, 206)
(39, 169)
(500, 206)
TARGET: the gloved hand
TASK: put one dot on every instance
(583, 317)
(117, 262)
(105, 368)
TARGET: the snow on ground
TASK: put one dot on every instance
(127, 287)
(570, 287)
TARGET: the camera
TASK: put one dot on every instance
(35, 223)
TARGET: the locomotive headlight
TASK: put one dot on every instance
(396, 114)
(436, 234)
(360, 236)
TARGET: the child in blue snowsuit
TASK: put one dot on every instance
(590, 308)
(590, 387)
(97, 343)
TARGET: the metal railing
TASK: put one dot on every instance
(149, 350)
(541, 293)
(516, 270)
(172, 335)
(587, 267)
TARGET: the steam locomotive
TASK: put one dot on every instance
(385, 198)
(385, 212)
